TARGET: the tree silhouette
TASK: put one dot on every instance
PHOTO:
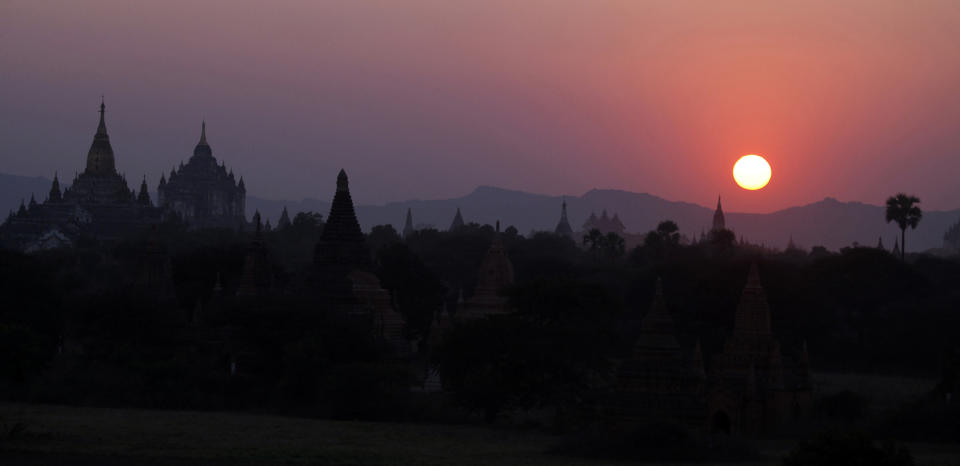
(903, 209)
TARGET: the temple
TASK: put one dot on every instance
(346, 281)
(659, 381)
(202, 192)
(752, 388)
(496, 273)
(98, 205)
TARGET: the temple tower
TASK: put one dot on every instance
(719, 223)
(457, 221)
(408, 224)
(496, 273)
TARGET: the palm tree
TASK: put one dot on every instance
(903, 210)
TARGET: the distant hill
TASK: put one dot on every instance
(830, 223)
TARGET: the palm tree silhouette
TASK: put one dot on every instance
(903, 209)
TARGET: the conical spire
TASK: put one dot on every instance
(408, 225)
(55, 195)
(33, 201)
(563, 227)
(880, 243)
(719, 222)
(342, 240)
(457, 221)
(202, 148)
(102, 127)
(753, 312)
(343, 184)
(657, 329)
(284, 221)
(256, 222)
(100, 160)
(144, 196)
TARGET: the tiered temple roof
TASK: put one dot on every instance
(204, 193)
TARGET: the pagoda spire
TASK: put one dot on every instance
(719, 222)
(563, 227)
(55, 195)
(100, 160)
(284, 221)
(203, 148)
(408, 225)
(342, 241)
(457, 221)
(144, 196)
(102, 127)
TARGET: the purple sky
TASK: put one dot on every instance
(428, 99)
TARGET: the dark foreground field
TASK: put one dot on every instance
(99, 436)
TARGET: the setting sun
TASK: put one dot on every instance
(751, 172)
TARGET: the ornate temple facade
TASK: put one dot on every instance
(202, 192)
(98, 204)
(751, 386)
(496, 273)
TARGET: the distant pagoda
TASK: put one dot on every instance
(408, 225)
(719, 221)
(457, 221)
(563, 227)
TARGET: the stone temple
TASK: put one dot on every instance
(204, 193)
(97, 205)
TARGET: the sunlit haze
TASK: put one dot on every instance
(429, 99)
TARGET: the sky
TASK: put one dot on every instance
(428, 99)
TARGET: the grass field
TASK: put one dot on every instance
(102, 436)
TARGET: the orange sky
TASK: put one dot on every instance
(428, 99)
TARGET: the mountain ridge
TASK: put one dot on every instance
(828, 222)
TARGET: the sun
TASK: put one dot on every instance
(751, 172)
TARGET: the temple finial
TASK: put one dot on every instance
(203, 132)
(342, 182)
(102, 127)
